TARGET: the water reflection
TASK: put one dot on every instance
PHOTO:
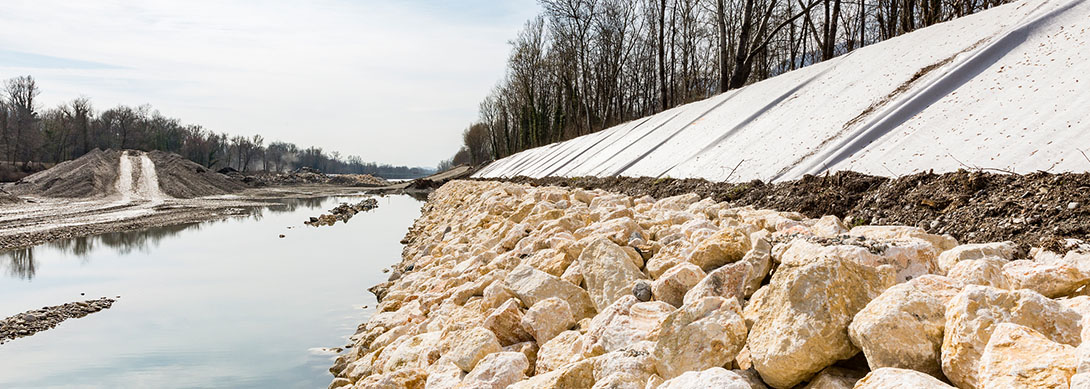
(21, 264)
(223, 304)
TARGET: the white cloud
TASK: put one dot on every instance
(391, 81)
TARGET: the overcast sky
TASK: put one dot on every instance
(391, 81)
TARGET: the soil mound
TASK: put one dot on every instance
(8, 198)
(975, 207)
(182, 178)
(92, 175)
(96, 175)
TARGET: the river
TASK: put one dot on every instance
(217, 304)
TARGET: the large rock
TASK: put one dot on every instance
(894, 378)
(1019, 357)
(707, 333)
(1051, 280)
(608, 272)
(903, 326)
(908, 258)
(1078, 256)
(411, 378)
(417, 351)
(623, 324)
(559, 351)
(729, 281)
(444, 375)
(629, 368)
(967, 252)
(551, 261)
(1081, 379)
(835, 378)
(711, 378)
(575, 375)
(672, 285)
(506, 322)
(801, 322)
(727, 245)
(466, 348)
(984, 271)
(497, 371)
(531, 286)
(973, 314)
(548, 318)
(941, 242)
(760, 260)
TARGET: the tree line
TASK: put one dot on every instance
(71, 129)
(585, 65)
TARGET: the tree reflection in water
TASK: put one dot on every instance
(21, 263)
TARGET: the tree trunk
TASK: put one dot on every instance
(662, 55)
(724, 72)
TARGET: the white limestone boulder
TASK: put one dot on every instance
(800, 325)
(706, 333)
(975, 312)
(903, 327)
(608, 272)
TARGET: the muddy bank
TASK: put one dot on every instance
(30, 322)
(1031, 210)
(510, 285)
(44, 220)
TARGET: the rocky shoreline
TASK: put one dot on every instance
(342, 212)
(509, 285)
(31, 322)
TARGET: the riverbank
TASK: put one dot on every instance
(41, 220)
(547, 287)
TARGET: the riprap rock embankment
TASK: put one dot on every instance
(506, 285)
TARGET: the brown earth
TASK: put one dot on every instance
(1037, 209)
(185, 179)
(95, 175)
(91, 175)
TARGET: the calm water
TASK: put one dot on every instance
(217, 304)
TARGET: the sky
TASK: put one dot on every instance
(392, 81)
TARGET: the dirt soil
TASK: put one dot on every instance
(91, 175)
(94, 175)
(1038, 209)
(185, 179)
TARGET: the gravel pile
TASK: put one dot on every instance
(30, 322)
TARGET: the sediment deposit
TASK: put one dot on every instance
(508, 285)
(31, 322)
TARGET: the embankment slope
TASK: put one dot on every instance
(1001, 89)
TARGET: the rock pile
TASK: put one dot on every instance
(342, 212)
(308, 176)
(506, 285)
(30, 322)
